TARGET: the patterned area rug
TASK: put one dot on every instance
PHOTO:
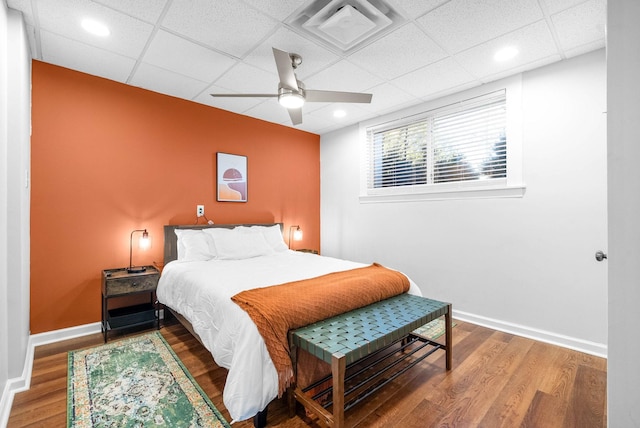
(434, 329)
(135, 382)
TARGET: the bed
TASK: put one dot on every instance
(204, 267)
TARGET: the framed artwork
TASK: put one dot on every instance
(232, 178)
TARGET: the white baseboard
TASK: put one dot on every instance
(22, 383)
(592, 348)
(65, 334)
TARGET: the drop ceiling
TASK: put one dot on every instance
(191, 48)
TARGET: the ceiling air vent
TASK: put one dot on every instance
(345, 24)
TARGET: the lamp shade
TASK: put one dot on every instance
(297, 234)
(143, 244)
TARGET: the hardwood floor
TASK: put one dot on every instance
(498, 380)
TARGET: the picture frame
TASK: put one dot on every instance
(232, 182)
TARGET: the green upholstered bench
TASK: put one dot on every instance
(346, 340)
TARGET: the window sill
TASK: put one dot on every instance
(447, 194)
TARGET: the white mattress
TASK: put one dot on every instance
(201, 292)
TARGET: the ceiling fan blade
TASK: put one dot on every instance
(285, 70)
(336, 96)
(244, 95)
(296, 115)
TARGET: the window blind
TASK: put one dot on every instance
(457, 143)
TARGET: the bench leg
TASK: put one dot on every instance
(291, 398)
(448, 337)
(338, 369)
(291, 401)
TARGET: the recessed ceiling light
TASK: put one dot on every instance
(94, 27)
(505, 54)
(339, 113)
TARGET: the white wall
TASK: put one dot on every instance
(4, 320)
(524, 265)
(623, 111)
(18, 189)
(15, 128)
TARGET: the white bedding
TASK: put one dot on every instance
(201, 292)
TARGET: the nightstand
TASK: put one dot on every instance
(118, 283)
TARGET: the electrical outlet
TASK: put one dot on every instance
(199, 210)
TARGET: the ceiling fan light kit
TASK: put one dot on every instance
(290, 99)
(292, 93)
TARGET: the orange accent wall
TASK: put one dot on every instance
(108, 158)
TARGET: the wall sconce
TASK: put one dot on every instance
(297, 234)
(143, 244)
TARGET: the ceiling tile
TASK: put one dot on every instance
(147, 10)
(555, 6)
(342, 76)
(314, 57)
(279, 10)
(434, 78)
(166, 82)
(523, 68)
(534, 42)
(583, 49)
(176, 54)
(581, 24)
(387, 96)
(247, 79)
(228, 26)
(461, 24)
(448, 91)
(269, 110)
(402, 51)
(315, 124)
(414, 8)
(354, 113)
(87, 59)
(128, 35)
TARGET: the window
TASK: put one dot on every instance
(461, 147)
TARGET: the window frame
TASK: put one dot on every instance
(511, 186)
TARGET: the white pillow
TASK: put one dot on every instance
(194, 245)
(234, 244)
(272, 234)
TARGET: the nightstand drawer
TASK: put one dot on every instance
(116, 282)
(131, 285)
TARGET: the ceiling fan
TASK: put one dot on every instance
(291, 92)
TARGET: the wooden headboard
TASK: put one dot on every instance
(171, 239)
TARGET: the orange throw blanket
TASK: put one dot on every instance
(276, 310)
